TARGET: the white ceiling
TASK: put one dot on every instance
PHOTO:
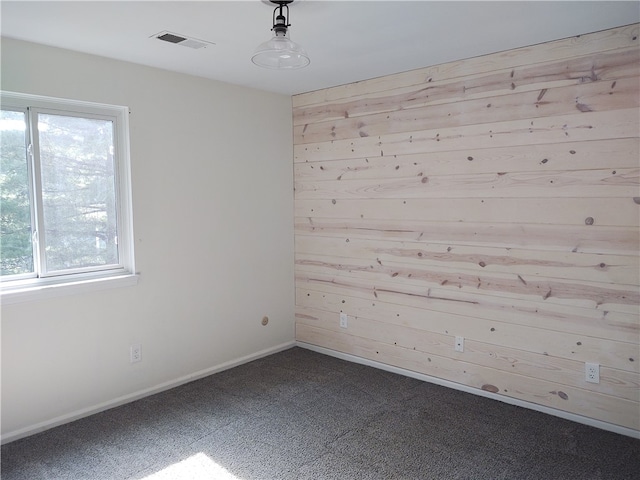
(346, 40)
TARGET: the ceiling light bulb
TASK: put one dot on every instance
(280, 53)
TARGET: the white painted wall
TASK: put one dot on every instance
(213, 221)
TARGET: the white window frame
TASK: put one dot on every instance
(70, 282)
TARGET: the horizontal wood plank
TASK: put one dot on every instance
(582, 127)
(624, 182)
(568, 265)
(435, 333)
(339, 293)
(616, 297)
(585, 97)
(583, 238)
(569, 48)
(589, 211)
(540, 158)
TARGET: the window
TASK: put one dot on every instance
(65, 202)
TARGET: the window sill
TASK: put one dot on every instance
(42, 292)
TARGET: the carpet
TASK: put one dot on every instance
(299, 414)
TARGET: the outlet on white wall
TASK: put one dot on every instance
(459, 345)
(135, 353)
(344, 320)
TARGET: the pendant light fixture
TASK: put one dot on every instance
(280, 52)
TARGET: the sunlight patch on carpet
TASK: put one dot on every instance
(198, 466)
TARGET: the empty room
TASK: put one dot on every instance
(275, 239)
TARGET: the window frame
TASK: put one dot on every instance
(30, 286)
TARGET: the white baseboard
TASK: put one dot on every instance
(116, 402)
(458, 386)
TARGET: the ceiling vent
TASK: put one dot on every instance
(181, 40)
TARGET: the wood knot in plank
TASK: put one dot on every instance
(588, 221)
(583, 108)
(561, 394)
(490, 388)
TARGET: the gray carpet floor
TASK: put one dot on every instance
(302, 415)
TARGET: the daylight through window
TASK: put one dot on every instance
(65, 208)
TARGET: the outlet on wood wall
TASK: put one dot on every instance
(496, 199)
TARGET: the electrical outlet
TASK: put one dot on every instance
(344, 320)
(592, 372)
(135, 353)
(459, 345)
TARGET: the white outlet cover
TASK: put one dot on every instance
(459, 345)
(135, 353)
(344, 320)
(592, 372)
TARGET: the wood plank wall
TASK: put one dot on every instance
(495, 198)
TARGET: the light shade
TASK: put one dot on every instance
(280, 53)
